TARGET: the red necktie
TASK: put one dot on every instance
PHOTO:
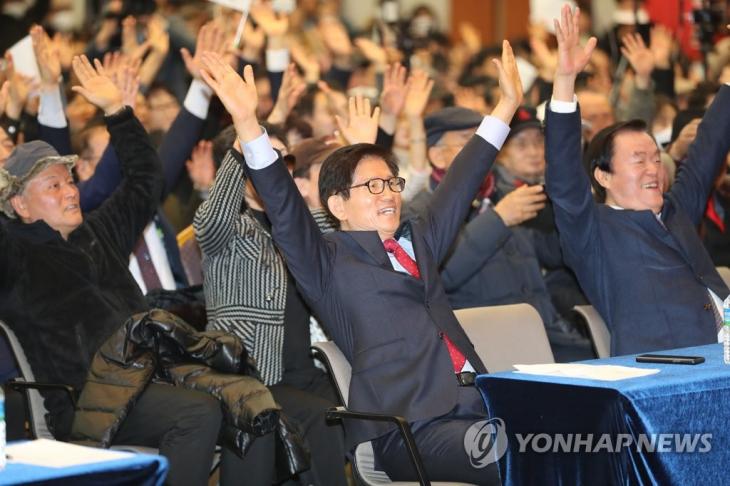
(405, 260)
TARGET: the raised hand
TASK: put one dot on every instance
(47, 56)
(157, 35)
(393, 96)
(201, 167)
(292, 88)
(130, 46)
(211, 38)
(4, 96)
(19, 89)
(96, 86)
(662, 44)
(273, 24)
(335, 36)
(239, 96)
(640, 58)
(521, 204)
(372, 51)
(419, 90)
(307, 61)
(572, 58)
(362, 125)
(510, 85)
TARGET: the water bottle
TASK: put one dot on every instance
(726, 329)
(2, 429)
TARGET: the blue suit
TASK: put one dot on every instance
(648, 279)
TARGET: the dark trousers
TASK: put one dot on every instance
(184, 426)
(441, 442)
(304, 399)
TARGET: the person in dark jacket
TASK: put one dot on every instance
(65, 287)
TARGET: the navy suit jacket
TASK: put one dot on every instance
(388, 324)
(647, 280)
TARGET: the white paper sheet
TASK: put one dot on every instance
(52, 453)
(24, 58)
(544, 11)
(586, 371)
(240, 5)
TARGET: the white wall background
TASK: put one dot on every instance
(359, 12)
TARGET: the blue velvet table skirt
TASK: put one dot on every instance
(679, 400)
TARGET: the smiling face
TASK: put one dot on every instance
(50, 196)
(636, 179)
(363, 211)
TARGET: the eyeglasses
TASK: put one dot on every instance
(376, 185)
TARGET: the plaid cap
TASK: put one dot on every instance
(449, 119)
(25, 162)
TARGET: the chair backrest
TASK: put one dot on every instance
(190, 256)
(597, 328)
(724, 274)
(505, 335)
(338, 366)
(36, 407)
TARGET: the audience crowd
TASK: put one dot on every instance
(201, 193)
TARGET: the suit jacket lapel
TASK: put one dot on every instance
(371, 243)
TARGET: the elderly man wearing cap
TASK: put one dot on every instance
(638, 257)
(65, 287)
(493, 239)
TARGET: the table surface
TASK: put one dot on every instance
(137, 469)
(711, 374)
(679, 399)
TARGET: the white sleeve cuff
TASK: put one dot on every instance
(197, 100)
(50, 113)
(277, 60)
(494, 131)
(259, 153)
(564, 106)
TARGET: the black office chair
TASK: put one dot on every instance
(364, 459)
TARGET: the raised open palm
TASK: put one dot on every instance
(572, 58)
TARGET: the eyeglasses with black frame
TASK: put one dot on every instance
(376, 185)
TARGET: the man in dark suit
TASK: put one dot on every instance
(638, 257)
(376, 284)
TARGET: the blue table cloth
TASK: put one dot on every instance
(684, 409)
(136, 470)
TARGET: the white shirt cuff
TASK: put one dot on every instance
(50, 113)
(277, 60)
(494, 131)
(564, 106)
(197, 100)
(259, 153)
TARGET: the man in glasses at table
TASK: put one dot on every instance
(375, 284)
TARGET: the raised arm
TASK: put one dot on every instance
(293, 229)
(705, 157)
(215, 219)
(568, 186)
(452, 199)
(125, 214)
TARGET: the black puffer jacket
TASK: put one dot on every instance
(158, 346)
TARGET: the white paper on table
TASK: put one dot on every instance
(240, 5)
(544, 11)
(24, 58)
(586, 371)
(53, 453)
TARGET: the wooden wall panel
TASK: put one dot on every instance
(495, 19)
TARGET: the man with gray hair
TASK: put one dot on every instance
(65, 287)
